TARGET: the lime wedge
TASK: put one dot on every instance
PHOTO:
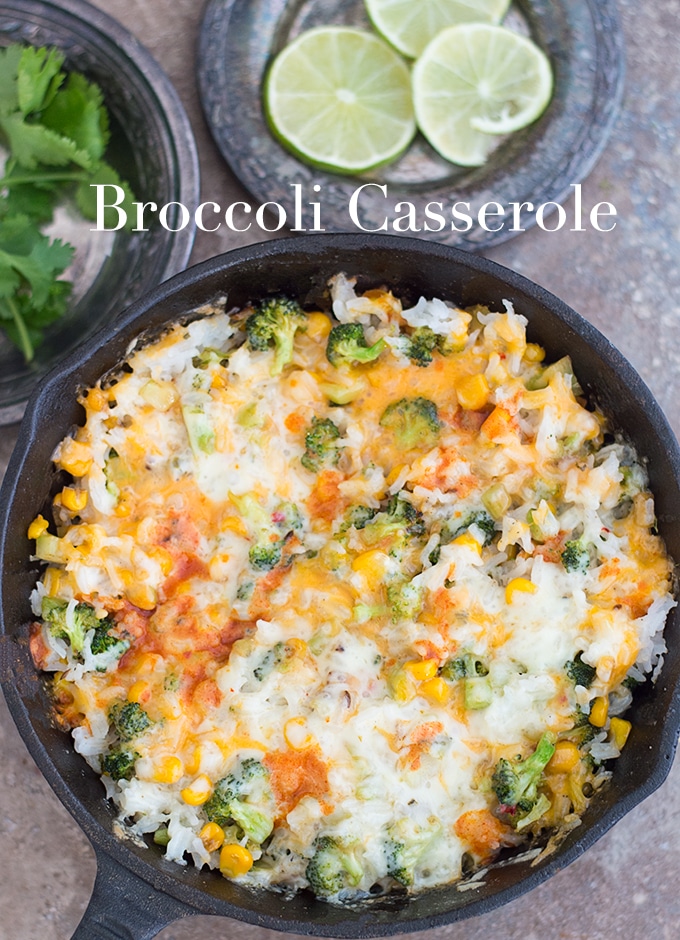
(411, 25)
(340, 99)
(474, 82)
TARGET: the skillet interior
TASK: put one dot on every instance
(301, 267)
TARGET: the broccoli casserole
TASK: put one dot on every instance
(347, 602)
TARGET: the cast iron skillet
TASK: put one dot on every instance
(136, 892)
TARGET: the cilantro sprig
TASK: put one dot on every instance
(55, 128)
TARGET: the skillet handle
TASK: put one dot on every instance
(125, 907)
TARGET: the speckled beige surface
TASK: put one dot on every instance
(627, 283)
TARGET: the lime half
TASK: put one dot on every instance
(411, 24)
(474, 82)
(340, 99)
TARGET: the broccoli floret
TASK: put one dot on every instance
(236, 799)
(583, 731)
(516, 782)
(483, 521)
(320, 448)
(103, 641)
(474, 672)
(274, 531)
(402, 859)
(413, 421)
(421, 344)
(579, 672)
(466, 666)
(576, 556)
(119, 764)
(406, 845)
(405, 600)
(129, 720)
(273, 659)
(403, 514)
(275, 323)
(257, 825)
(347, 344)
(358, 517)
(69, 624)
(450, 531)
(266, 557)
(397, 865)
(332, 868)
(395, 526)
(207, 356)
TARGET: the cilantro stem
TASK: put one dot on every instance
(25, 343)
(62, 177)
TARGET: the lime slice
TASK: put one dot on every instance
(340, 99)
(411, 25)
(474, 82)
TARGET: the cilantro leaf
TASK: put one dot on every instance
(31, 144)
(30, 295)
(34, 200)
(39, 76)
(24, 322)
(9, 66)
(31, 255)
(77, 112)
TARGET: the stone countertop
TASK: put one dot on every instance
(626, 282)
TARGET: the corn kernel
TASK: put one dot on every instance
(519, 586)
(168, 770)
(148, 662)
(318, 326)
(139, 691)
(219, 380)
(193, 765)
(235, 860)
(199, 792)
(619, 729)
(212, 836)
(466, 540)
(534, 353)
(436, 689)
(235, 525)
(75, 500)
(599, 711)
(422, 669)
(122, 508)
(473, 392)
(565, 758)
(37, 527)
(75, 457)
(372, 564)
(394, 474)
(142, 596)
(52, 581)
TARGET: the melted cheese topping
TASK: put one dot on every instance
(347, 639)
